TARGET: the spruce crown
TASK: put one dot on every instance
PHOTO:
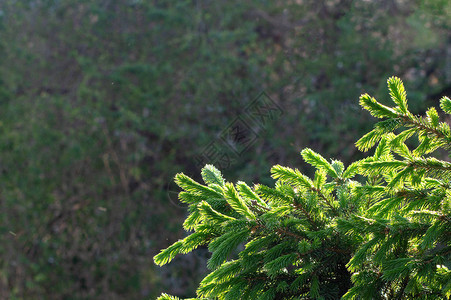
(379, 228)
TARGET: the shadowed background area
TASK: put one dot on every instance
(103, 102)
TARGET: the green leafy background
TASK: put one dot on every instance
(103, 102)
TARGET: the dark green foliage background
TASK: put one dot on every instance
(102, 102)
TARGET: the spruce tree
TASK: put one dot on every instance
(379, 228)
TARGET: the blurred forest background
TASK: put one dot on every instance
(103, 102)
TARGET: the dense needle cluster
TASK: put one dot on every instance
(379, 228)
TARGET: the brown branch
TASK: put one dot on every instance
(286, 232)
(255, 203)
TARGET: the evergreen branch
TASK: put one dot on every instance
(402, 150)
(222, 246)
(338, 166)
(165, 296)
(352, 169)
(398, 93)
(297, 240)
(381, 130)
(258, 243)
(211, 214)
(399, 179)
(184, 246)
(319, 162)
(290, 176)
(435, 214)
(370, 139)
(222, 274)
(377, 109)
(257, 204)
(445, 104)
(326, 200)
(289, 233)
(195, 188)
(319, 180)
(432, 167)
(442, 131)
(382, 150)
(430, 164)
(211, 175)
(189, 198)
(432, 117)
(193, 219)
(381, 167)
(247, 192)
(168, 254)
(236, 202)
(274, 196)
(306, 214)
(275, 266)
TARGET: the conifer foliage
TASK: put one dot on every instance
(379, 228)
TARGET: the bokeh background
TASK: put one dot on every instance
(102, 102)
